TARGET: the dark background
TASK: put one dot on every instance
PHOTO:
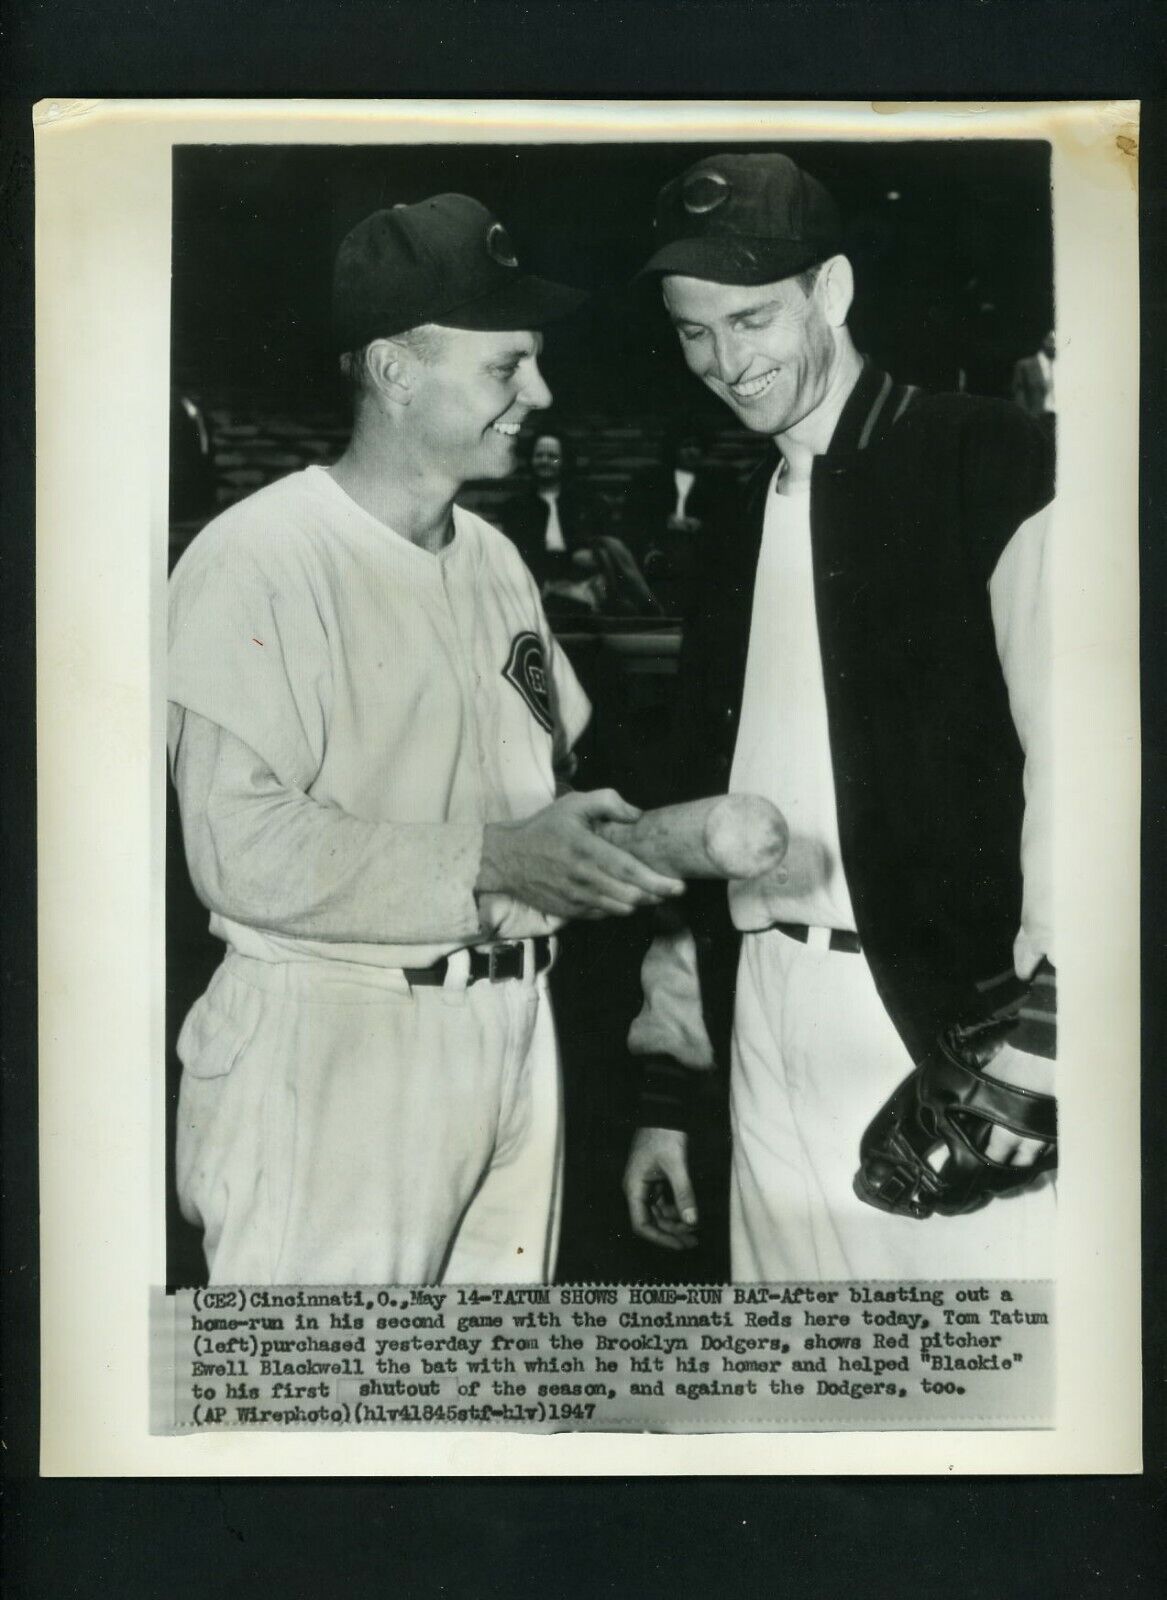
(951, 242)
(952, 248)
(935, 1538)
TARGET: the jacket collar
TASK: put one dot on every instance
(865, 407)
(865, 411)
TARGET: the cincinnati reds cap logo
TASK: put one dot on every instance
(704, 191)
(499, 247)
(525, 669)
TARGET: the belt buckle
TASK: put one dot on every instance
(495, 955)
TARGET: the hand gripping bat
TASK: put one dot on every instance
(725, 836)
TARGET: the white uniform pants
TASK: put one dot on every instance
(815, 1056)
(337, 1127)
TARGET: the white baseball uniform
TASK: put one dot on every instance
(347, 712)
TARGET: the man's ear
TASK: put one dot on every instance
(387, 367)
(836, 289)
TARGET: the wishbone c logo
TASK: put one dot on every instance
(526, 671)
(705, 191)
(499, 247)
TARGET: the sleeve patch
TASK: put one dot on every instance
(526, 671)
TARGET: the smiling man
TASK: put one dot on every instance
(369, 726)
(873, 659)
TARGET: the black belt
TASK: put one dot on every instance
(841, 939)
(496, 963)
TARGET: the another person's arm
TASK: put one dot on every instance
(671, 1043)
(1020, 600)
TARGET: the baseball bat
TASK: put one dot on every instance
(725, 836)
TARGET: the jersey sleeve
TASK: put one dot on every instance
(1019, 596)
(268, 856)
(251, 660)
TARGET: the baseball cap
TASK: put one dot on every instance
(743, 219)
(446, 260)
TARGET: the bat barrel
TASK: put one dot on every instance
(725, 836)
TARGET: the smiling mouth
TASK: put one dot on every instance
(754, 387)
(509, 430)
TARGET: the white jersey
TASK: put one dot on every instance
(375, 677)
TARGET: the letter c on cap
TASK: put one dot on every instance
(499, 247)
(705, 191)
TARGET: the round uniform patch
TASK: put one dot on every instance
(527, 671)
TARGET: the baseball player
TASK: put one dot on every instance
(873, 658)
(369, 725)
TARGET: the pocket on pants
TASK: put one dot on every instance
(213, 1122)
(213, 1036)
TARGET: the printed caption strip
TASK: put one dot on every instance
(551, 1359)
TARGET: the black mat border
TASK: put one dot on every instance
(963, 1538)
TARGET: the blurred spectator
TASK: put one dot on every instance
(1033, 384)
(555, 518)
(608, 583)
(561, 530)
(668, 507)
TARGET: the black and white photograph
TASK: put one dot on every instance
(589, 482)
(609, 658)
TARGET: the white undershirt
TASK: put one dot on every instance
(783, 746)
(684, 482)
(553, 539)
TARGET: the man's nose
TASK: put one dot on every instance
(730, 357)
(535, 392)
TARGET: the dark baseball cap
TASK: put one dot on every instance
(743, 219)
(446, 260)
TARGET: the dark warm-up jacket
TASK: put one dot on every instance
(911, 507)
